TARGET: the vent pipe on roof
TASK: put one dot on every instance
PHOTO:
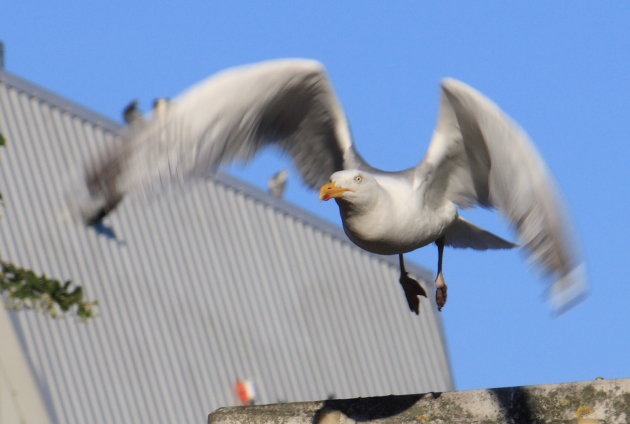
(1, 55)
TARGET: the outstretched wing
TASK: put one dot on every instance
(479, 156)
(289, 103)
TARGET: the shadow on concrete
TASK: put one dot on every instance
(368, 409)
(515, 405)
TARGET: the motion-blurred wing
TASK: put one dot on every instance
(289, 103)
(478, 155)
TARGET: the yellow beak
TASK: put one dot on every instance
(330, 190)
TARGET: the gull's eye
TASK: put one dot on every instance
(358, 179)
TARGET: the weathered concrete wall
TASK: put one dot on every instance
(590, 402)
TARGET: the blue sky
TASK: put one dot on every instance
(561, 69)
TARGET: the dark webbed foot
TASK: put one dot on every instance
(440, 284)
(440, 292)
(413, 290)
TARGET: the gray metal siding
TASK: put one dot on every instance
(201, 287)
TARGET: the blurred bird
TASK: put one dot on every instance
(477, 156)
(278, 183)
(160, 106)
(132, 114)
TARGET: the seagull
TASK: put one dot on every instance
(477, 156)
(277, 183)
(160, 106)
(132, 114)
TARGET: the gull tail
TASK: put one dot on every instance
(462, 233)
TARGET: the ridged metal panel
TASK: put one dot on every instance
(200, 287)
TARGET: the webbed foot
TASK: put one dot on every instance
(413, 290)
(440, 292)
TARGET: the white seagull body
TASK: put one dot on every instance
(387, 215)
(477, 156)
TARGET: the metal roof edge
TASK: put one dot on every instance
(221, 177)
(279, 203)
(16, 370)
(59, 101)
(318, 222)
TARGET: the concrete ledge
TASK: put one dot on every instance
(589, 402)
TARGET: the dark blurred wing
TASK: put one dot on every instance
(232, 115)
(479, 156)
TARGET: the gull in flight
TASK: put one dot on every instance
(131, 113)
(477, 156)
(278, 183)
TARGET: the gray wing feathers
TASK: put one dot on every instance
(463, 233)
(478, 155)
(229, 116)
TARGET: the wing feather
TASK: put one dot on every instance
(479, 156)
(232, 115)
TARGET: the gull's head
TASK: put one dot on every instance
(349, 185)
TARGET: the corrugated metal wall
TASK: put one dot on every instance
(20, 398)
(197, 289)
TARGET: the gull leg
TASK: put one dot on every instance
(440, 284)
(412, 288)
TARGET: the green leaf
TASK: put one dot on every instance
(24, 289)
